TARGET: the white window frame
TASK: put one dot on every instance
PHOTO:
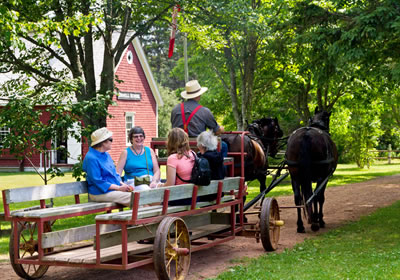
(129, 57)
(128, 125)
(3, 132)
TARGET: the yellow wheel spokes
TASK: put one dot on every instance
(173, 242)
(171, 251)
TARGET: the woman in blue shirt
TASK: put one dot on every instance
(139, 161)
(104, 183)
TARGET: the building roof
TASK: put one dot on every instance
(98, 51)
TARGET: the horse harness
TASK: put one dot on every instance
(329, 157)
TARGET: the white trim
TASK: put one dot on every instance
(147, 71)
(129, 54)
(3, 132)
(156, 120)
(129, 114)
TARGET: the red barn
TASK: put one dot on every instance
(136, 104)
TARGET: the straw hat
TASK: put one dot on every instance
(100, 135)
(193, 89)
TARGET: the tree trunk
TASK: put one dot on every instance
(233, 88)
(249, 65)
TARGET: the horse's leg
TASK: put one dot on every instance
(262, 178)
(315, 216)
(298, 202)
(306, 188)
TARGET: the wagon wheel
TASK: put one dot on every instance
(172, 249)
(28, 247)
(270, 224)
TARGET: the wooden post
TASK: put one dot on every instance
(390, 154)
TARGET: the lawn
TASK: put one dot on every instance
(367, 249)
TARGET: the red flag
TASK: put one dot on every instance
(173, 31)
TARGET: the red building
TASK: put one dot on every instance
(136, 104)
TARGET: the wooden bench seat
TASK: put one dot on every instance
(199, 218)
(155, 211)
(41, 193)
(64, 210)
(186, 191)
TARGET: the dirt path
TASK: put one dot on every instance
(342, 204)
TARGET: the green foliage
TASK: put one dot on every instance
(31, 133)
(170, 100)
(366, 249)
(364, 130)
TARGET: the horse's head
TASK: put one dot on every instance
(269, 131)
(254, 128)
(320, 120)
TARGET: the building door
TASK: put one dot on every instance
(61, 146)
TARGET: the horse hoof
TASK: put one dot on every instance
(301, 230)
(322, 224)
(315, 227)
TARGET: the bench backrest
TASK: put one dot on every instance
(186, 191)
(44, 192)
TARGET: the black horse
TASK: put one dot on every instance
(261, 142)
(311, 156)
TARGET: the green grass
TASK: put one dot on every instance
(367, 249)
(11, 180)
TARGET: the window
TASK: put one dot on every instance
(129, 57)
(4, 131)
(129, 123)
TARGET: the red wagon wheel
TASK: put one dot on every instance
(172, 249)
(270, 224)
(28, 247)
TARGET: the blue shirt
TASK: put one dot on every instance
(136, 165)
(100, 172)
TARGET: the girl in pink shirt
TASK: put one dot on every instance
(180, 159)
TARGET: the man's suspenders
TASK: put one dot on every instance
(186, 123)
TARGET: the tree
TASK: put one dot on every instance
(31, 133)
(229, 35)
(51, 40)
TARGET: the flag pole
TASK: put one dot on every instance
(186, 58)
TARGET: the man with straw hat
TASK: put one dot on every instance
(190, 115)
(104, 183)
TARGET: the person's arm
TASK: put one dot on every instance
(171, 176)
(156, 170)
(122, 188)
(211, 123)
(220, 130)
(93, 172)
(121, 162)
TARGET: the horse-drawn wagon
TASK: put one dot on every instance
(151, 231)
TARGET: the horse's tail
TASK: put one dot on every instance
(259, 156)
(305, 157)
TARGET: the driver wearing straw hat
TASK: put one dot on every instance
(192, 117)
(104, 183)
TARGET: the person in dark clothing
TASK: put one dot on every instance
(207, 143)
(194, 118)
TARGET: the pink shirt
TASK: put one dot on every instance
(183, 167)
